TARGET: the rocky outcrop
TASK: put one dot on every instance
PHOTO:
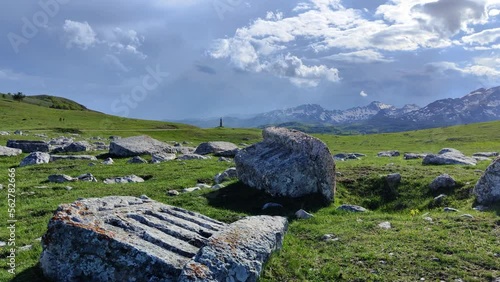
(137, 145)
(122, 239)
(288, 163)
(35, 158)
(448, 156)
(28, 146)
(54, 158)
(9, 152)
(215, 147)
(124, 179)
(388, 154)
(487, 189)
(237, 253)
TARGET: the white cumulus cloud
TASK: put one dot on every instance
(79, 34)
(363, 93)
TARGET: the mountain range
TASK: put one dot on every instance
(478, 106)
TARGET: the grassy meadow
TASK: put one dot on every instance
(450, 247)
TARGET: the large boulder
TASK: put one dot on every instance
(288, 163)
(237, 253)
(448, 156)
(35, 158)
(28, 146)
(487, 189)
(122, 239)
(215, 147)
(137, 145)
(9, 152)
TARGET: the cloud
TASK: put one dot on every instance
(490, 73)
(79, 34)
(363, 56)
(363, 93)
(485, 37)
(125, 41)
(205, 69)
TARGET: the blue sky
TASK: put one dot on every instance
(176, 59)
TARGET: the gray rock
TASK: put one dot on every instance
(183, 150)
(224, 159)
(28, 146)
(271, 205)
(60, 178)
(54, 158)
(80, 146)
(18, 132)
(25, 248)
(215, 147)
(108, 161)
(173, 193)
(448, 156)
(329, 238)
(162, 157)
(4, 133)
(444, 181)
(228, 174)
(288, 163)
(2, 244)
(137, 160)
(412, 156)
(393, 180)
(228, 153)
(137, 145)
(187, 157)
(351, 208)
(427, 218)
(385, 225)
(439, 198)
(448, 209)
(218, 186)
(60, 141)
(485, 154)
(203, 185)
(124, 179)
(237, 253)
(35, 158)
(122, 239)
(467, 215)
(87, 177)
(9, 152)
(487, 189)
(189, 190)
(302, 214)
(388, 154)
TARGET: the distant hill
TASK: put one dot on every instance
(50, 102)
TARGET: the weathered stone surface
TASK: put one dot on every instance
(87, 177)
(137, 145)
(388, 154)
(9, 152)
(80, 146)
(393, 180)
(302, 214)
(29, 146)
(413, 156)
(228, 153)
(35, 158)
(183, 150)
(54, 158)
(108, 161)
(214, 147)
(288, 163)
(137, 160)
(228, 174)
(351, 208)
(187, 157)
(61, 141)
(162, 157)
(448, 156)
(347, 156)
(487, 189)
(122, 239)
(4, 133)
(385, 225)
(444, 181)
(485, 154)
(238, 252)
(60, 178)
(124, 179)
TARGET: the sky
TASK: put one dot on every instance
(180, 59)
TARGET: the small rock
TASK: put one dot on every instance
(68, 188)
(393, 180)
(124, 179)
(215, 147)
(228, 174)
(448, 209)
(193, 157)
(162, 157)
(60, 178)
(26, 248)
(351, 208)
(173, 193)
(188, 190)
(218, 186)
(35, 158)
(385, 225)
(329, 238)
(108, 161)
(2, 244)
(271, 205)
(302, 214)
(203, 185)
(388, 154)
(137, 160)
(429, 219)
(467, 215)
(444, 181)
(91, 164)
(87, 177)
(439, 198)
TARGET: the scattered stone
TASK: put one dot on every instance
(481, 159)
(385, 225)
(137, 145)
(485, 154)
(189, 190)
(80, 146)
(228, 153)
(393, 180)
(108, 161)
(448, 156)
(130, 239)
(35, 158)
(302, 214)
(187, 157)
(351, 208)
(4, 133)
(124, 179)
(183, 150)
(448, 209)
(412, 156)
(173, 193)
(9, 152)
(162, 157)
(60, 178)
(137, 160)
(288, 163)
(388, 154)
(215, 147)
(427, 218)
(228, 174)
(487, 189)
(87, 177)
(218, 186)
(100, 146)
(271, 205)
(60, 141)
(439, 198)
(18, 132)
(239, 252)
(25, 248)
(29, 146)
(224, 159)
(203, 185)
(54, 158)
(329, 238)
(467, 215)
(68, 188)
(444, 181)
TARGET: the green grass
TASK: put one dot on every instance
(450, 247)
